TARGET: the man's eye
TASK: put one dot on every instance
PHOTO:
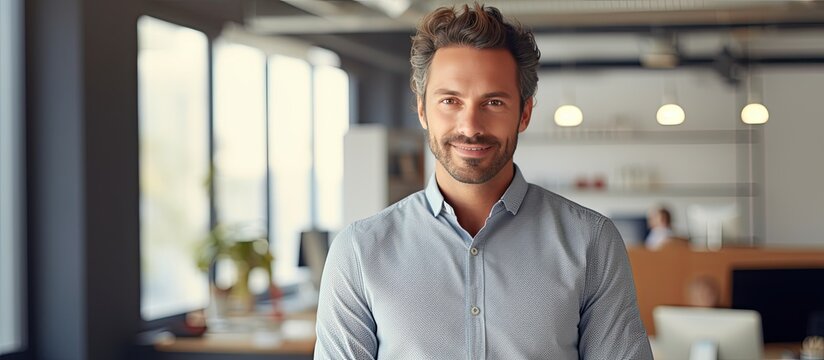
(495, 102)
(449, 101)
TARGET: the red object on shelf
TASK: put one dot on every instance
(599, 183)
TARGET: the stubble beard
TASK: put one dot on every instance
(469, 170)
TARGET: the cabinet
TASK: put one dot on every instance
(381, 166)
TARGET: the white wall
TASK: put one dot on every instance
(628, 99)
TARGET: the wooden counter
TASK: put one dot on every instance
(661, 277)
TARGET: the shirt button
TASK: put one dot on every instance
(473, 251)
(475, 310)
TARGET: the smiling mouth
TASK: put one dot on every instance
(472, 151)
(472, 147)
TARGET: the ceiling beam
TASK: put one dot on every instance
(361, 52)
(285, 25)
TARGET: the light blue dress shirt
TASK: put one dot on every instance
(545, 278)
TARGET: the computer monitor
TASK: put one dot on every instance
(314, 246)
(736, 333)
(787, 300)
(633, 228)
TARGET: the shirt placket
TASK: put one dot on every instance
(475, 323)
(475, 294)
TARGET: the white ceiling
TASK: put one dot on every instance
(344, 16)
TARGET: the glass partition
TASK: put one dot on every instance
(174, 166)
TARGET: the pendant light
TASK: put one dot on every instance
(568, 115)
(670, 113)
(754, 113)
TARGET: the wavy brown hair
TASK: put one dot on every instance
(481, 27)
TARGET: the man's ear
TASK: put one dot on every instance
(526, 115)
(422, 112)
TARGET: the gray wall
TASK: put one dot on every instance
(794, 169)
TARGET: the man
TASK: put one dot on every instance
(659, 222)
(481, 264)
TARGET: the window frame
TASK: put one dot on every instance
(12, 181)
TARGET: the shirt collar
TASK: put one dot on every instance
(434, 196)
(513, 196)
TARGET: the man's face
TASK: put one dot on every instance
(472, 111)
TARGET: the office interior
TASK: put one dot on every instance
(138, 136)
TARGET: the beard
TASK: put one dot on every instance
(472, 170)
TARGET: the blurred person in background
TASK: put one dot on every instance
(703, 291)
(659, 221)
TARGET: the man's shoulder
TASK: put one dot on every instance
(559, 206)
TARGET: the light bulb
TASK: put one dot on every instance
(754, 114)
(670, 114)
(568, 115)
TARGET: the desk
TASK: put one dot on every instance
(298, 343)
(772, 351)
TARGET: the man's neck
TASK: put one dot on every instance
(473, 202)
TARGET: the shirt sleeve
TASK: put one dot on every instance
(345, 326)
(610, 325)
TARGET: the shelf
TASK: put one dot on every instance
(669, 190)
(651, 137)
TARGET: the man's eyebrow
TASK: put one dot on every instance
(494, 94)
(446, 92)
(498, 94)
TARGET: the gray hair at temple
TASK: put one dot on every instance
(481, 27)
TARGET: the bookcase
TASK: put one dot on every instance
(624, 173)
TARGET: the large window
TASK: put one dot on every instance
(277, 145)
(290, 114)
(12, 289)
(309, 114)
(331, 123)
(240, 138)
(174, 166)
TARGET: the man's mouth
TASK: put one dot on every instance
(472, 147)
(471, 150)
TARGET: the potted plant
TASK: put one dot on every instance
(234, 245)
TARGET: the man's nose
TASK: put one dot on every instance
(470, 122)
